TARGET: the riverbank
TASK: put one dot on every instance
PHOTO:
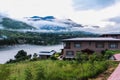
(8, 52)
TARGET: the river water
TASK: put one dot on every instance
(8, 52)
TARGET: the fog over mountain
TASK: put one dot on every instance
(41, 24)
(50, 23)
(53, 24)
(97, 16)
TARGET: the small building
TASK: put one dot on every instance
(89, 45)
(46, 54)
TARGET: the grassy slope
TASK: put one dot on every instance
(52, 70)
(104, 75)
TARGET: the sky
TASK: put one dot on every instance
(103, 13)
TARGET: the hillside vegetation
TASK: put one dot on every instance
(83, 67)
(53, 70)
(40, 38)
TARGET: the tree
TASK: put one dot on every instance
(21, 55)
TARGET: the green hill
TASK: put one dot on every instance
(14, 24)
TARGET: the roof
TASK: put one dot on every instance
(1, 38)
(117, 57)
(92, 39)
(111, 34)
(46, 52)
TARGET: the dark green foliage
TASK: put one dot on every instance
(53, 57)
(8, 42)
(20, 56)
(11, 61)
(15, 37)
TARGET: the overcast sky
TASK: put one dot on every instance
(102, 13)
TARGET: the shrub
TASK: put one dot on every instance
(108, 54)
(80, 57)
(53, 57)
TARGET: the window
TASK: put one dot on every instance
(99, 45)
(113, 45)
(67, 45)
(115, 36)
(77, 45)
(89, 43)
(69, 53)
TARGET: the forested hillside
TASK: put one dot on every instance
(15, 37)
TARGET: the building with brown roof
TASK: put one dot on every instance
(89, 45)
(111, 35)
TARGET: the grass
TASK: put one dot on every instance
(104, 75)
(53, 70)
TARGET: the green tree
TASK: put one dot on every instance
(21, 56)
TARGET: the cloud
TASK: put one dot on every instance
(115, 19)
(20, 8)
(87, 12)
(92, 4)
(3, 14)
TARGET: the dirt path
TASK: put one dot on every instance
(116, 74)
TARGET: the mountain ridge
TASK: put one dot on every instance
(42, 24)
(51, 23)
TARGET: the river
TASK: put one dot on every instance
(8, 52)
